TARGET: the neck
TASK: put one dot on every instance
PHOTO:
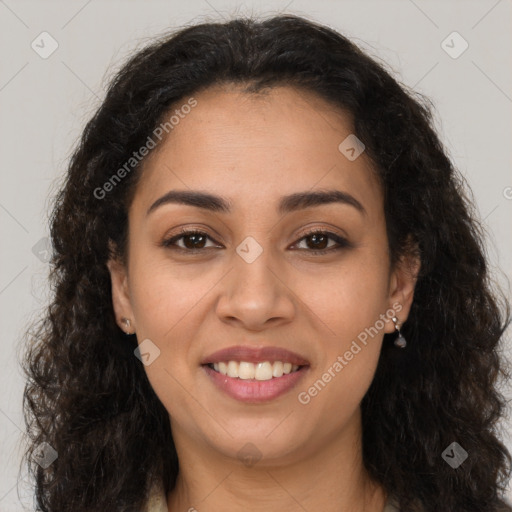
(332, 478)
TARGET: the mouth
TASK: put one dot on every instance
(255, 375)
(245, 370)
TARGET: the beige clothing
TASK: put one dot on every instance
(158, 502)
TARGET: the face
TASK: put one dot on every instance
(256, 330)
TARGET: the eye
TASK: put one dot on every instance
(194, 241)
(320, 240)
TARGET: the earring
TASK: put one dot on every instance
(400, 341)
(127, 322)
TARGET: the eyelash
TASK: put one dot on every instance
(342, 242)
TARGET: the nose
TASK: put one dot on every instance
(256, 294)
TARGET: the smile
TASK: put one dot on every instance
(261, 371)
(254, 383)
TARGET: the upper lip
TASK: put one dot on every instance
(255, 355)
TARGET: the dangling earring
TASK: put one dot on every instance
(127, 322)
(400, 341)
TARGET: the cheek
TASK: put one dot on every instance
(169, 378)
(348, 315)
(163, 295)
(347, 363)
(349, 298)
(166, 305)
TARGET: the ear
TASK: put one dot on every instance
(401, 286)
(121, 293)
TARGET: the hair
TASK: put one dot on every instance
(89, 398)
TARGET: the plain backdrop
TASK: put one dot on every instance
(45, 102)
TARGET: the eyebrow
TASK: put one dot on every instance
(287, 204)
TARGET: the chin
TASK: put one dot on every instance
(265, 442)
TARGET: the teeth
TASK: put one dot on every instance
(259, 371)
(246, 370)
(232, 369)
(263, 371)
(277, 370)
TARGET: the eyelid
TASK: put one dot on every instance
(341, 241)
(169, 242)
(320, 230)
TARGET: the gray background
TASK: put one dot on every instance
(44, 104)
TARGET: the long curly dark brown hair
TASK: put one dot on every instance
(88, 397)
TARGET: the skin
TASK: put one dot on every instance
(252, 149)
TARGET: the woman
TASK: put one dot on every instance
(270, 292)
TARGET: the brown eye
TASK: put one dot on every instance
(192, 241)
(318, 242)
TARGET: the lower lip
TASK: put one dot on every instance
(252, 390)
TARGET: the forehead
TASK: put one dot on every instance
(251, 147)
